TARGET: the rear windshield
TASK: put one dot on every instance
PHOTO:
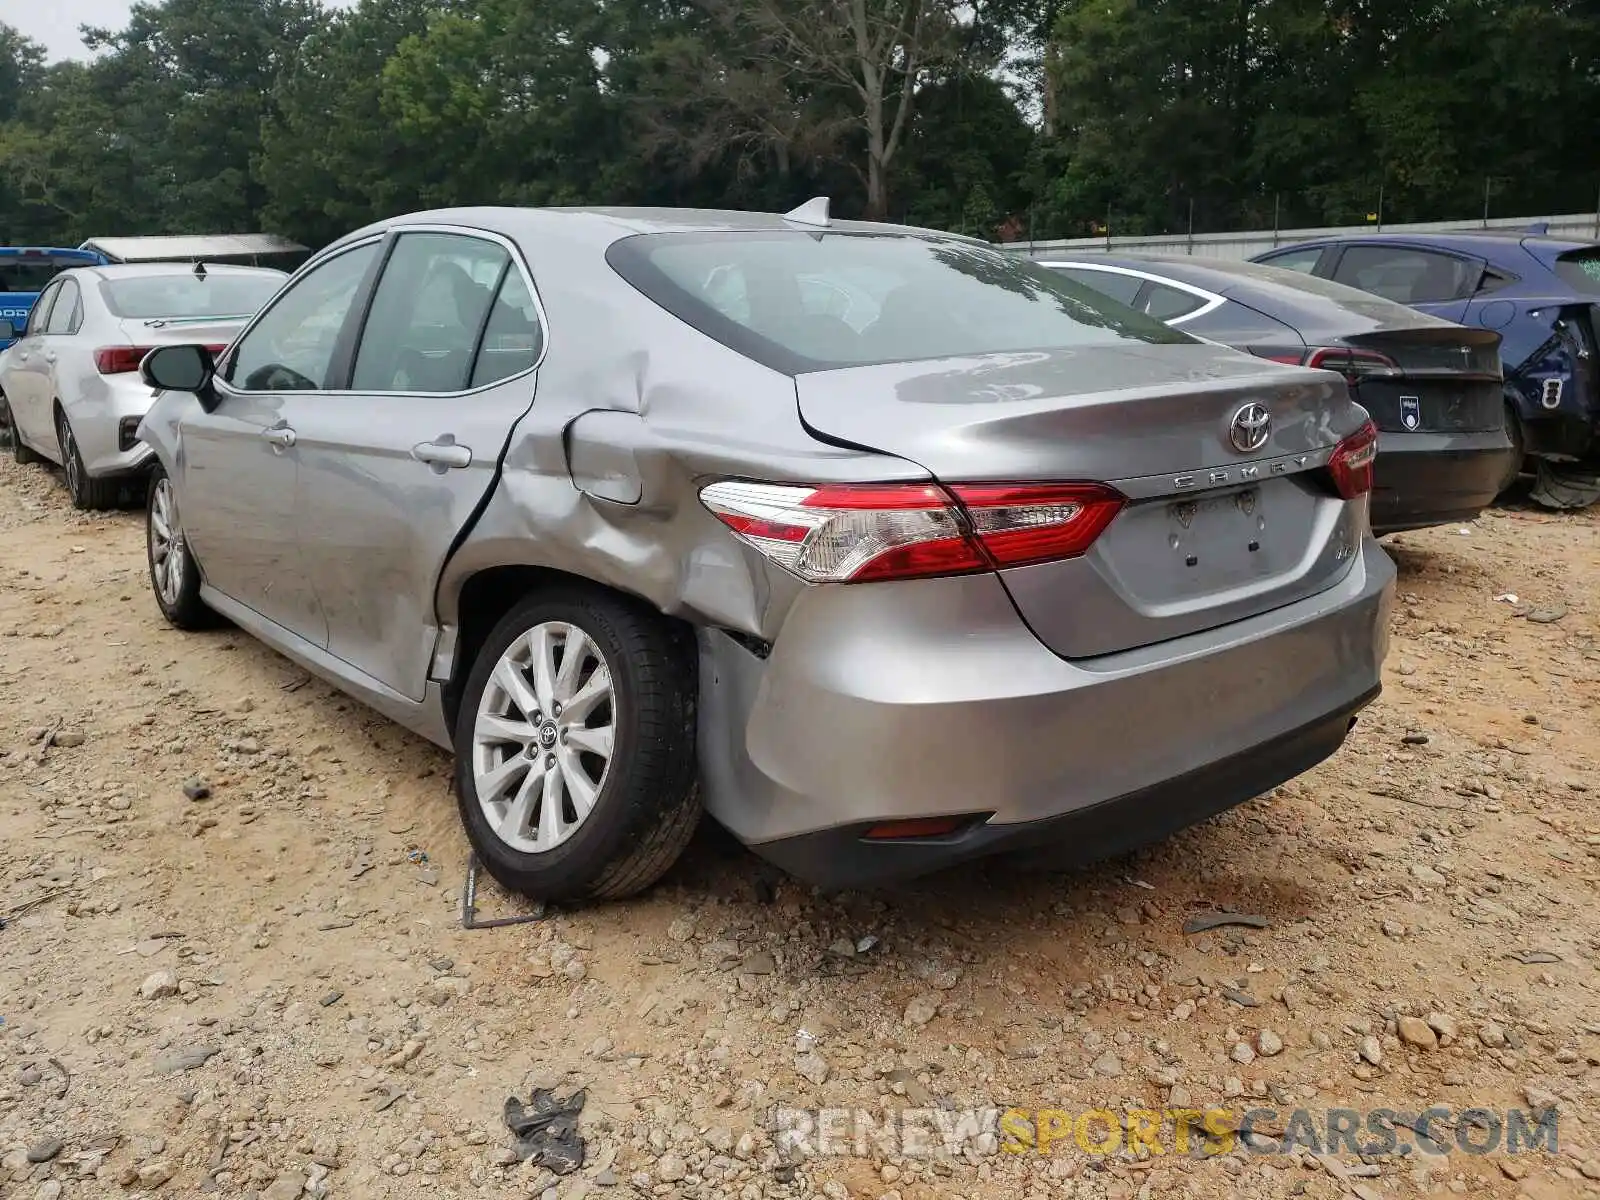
(19, 276)
(1580, 270)
(176, 296)
(798, 301)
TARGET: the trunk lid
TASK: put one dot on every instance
(1446, 379)
(1211, 533)
(164, 331)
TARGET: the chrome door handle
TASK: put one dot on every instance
(281, 436)
(442, 455)
(50, 357)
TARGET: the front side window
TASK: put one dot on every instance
(291, 348)
(800, 301)
(39, 317)
(1407, 276)
(184, 295)
(67, 312)
(429, 313)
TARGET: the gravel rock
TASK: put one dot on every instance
(155, 1174)
(1414, 1031)
(812, 1066)
(671, 1168)
(1268, 1044)
(43, 1152)
(1371, 1050)
(1242, 1053)
(187, 1059)
(159, 985)
(921, 1010)
(1108, 1064)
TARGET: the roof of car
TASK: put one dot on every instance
(606, 225)
(1464, 238)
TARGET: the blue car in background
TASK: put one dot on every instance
(1539, 293)
(24, 270)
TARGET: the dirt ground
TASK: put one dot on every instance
(265, 990)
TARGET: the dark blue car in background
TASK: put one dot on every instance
(1539, 293)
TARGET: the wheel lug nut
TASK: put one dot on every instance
(555, 709)
(549, 762)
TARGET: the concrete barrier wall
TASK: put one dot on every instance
(1248, 244)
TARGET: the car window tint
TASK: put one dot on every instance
(770, 295)
(66, 314)
(1121, 288)
(1295, 260)
(1169, 303)
(428, 313)
(512, 339)
(1405, 275)
(291, 347)
(40, 313)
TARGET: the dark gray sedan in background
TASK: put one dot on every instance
(894, 549)
(1433, 388)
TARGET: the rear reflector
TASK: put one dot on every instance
(1351, 464)
(856, 533)
(921, 827)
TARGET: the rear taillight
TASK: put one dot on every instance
(856, 533)
(1354, 365)
(1351, 464)
(119, 360)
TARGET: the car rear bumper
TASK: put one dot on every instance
(104, 421)
(899, 701)
(1423, 479)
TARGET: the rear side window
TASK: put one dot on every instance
(1121, 288)
(40, 316)
(512, 339)
(428, 313)
(1169, 303)
(1580, 270)
(67, 313)
(1407, 276)
(1296, 260)
(180, 295)
(802, 301)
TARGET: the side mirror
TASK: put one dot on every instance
(180, 369)
(8, 331)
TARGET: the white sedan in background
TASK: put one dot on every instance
(70, 388)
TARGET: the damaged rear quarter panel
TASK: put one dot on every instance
(642, 410)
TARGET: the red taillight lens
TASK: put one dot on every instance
(856, 533)
(1354, 365)
(119, 360)
(1351, 464)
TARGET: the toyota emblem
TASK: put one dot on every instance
(1250, 428)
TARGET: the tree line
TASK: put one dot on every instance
(999, 118)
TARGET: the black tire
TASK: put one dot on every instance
(647, 805)
(88, 494)
(20, 454)
(180, 605)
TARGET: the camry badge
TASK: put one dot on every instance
(1250, 428)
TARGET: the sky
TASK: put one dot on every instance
(54, 23)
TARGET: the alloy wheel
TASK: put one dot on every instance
(70, 462)
(543, 735)
(166, 543)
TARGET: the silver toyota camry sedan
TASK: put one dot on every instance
(888, 550)
(70, 389)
